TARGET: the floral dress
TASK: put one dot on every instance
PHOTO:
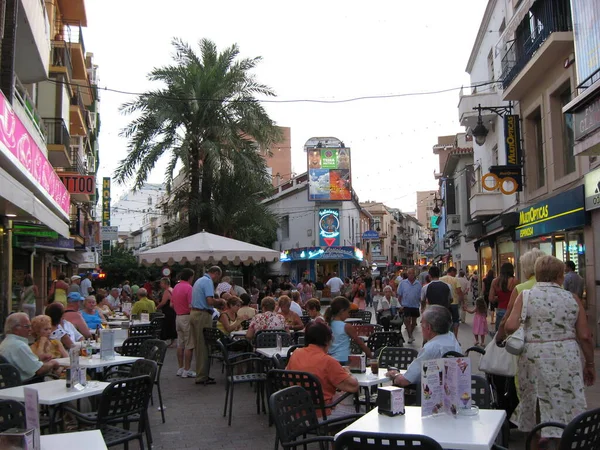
(549, 369)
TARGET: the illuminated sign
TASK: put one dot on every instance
(106, 201)
(299, 254)
(329, 227)
(512, 141)
(561, 212)
(79, 184)
(434, 222)
(329, 174)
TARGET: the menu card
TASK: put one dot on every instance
(32, 415)
(107, 344)
(126, 308)
(76, 371)
(145, 317)
(445, 386)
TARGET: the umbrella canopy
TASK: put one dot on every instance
(207, 248)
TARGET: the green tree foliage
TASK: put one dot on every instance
(122, 265)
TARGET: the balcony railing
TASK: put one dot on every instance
(545, 17)
(78, 163)
(28, 104)
(61, 57)
(58, 134)
(73, 34)
(77, 100)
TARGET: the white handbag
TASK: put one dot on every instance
(497, 361)
(515, 343)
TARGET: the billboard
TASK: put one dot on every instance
(329, 174)
(586, 30)
(329, 227)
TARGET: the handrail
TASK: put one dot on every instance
(28, 104)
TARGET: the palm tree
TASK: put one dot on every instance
(202, 117)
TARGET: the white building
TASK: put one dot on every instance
(136, 208)
(315, 238)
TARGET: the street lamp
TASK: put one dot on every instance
(480, 131)
(438, 204)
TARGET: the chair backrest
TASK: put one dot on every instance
(9, 376)
(582, 432)
(144, 367)
(278, 361)
(157, 324)
(12, 415)
(124, 398)
(141, 330)
(159, 356)
(269, 340)
(211, 336)
(351, 440)
(382, 339)
(367, 330)
(357, 314)
(156, 314)
(367, 317)
(132, 345)
(453, 354)
(293, 413)
(481, 393)
(281, 379)
(398, 357)
(305, 319)
(292, 349)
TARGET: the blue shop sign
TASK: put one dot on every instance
(309, 253)
(370, 234)
(561, 212)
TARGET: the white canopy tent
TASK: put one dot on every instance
(207, 248)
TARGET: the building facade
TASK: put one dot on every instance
(279, 161)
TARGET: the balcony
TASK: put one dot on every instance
(78, 117)
(61, 60)
(453, 223)
(32, 41)
(468, 116)
(28, 105)
(70, 36)
(543, 39)
(58, 142)
(73, 12)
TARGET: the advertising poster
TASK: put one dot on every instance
(329, 174)
(329, 227)
(445, 386)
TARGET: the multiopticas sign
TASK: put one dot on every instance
(533, 215)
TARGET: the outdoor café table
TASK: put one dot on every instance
(272, 351)
(88, 440)
(99, 364)
(53, 394)
(368, 379)
(452, 432)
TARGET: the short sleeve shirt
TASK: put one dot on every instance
(267, 321)
(181, 298)
(335, 284)
(17, 352)
(433, 349)
(454, 286)
(85, 287)
(203, 288)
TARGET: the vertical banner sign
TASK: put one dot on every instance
(329, 174)
(105, 212)
(329, 227)
(586, 31)
(512, 140)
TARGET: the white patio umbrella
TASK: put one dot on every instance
(207, 248)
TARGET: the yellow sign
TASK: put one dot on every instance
(499, 183)
(533, 214)
(105, 201)
(526, 232)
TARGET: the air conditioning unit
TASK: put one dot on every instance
(453, 223)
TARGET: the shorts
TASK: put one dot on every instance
(455, 315)
(184, 336)
(411, 312)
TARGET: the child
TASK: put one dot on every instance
(480, 325)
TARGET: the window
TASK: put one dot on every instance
(495, 155)
(568, 140)
(149, 201)
(285, 227)
(536, 164)
(490, 62)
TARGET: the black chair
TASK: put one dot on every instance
(158, 356)
(12, 415)
(398, 357)
(9, 376)
(211, 337)
(292, 349)
(481, 393)
(368, 315)
(157, 325)
(120, 402)
(156, 314)
(355, 440)
(357, 314)
(305, 320)
(141, 330)
(269, 340)
(382, 339)
(583, 432)
(278, 361)
(295, 416)
(453, 354)
(253, 370)
(132, 345)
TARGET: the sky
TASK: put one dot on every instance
(323, 50)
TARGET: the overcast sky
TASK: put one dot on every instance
(325, 49)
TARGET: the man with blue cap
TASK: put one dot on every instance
(73, 315)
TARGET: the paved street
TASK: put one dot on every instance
(194, 413)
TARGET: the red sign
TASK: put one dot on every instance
(79, 184)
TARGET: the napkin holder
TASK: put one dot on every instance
(18, 439)
(390, 400)
(357, 363)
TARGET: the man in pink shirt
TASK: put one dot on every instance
(73, 315)
(181, 300)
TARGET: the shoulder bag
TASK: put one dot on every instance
(515, 343)
(497, 361)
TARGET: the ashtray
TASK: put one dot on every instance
(473, 411)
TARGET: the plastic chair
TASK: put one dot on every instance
(278, 361)
(132, 345)
(453, 354)
(141, 330)
(9, 376)
(157, 325)
(382, 339)
(12, 415)
(481, 393)
(254, 371)
(398, 357)
(295, 416)
(351, 440)
(158, 356)
(269, 339)
(368, 315)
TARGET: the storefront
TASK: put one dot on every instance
(321, 262)
(497, 245)
(556, 226)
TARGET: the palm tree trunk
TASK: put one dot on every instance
(206, 196)
(194, 199)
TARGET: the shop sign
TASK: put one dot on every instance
(106, 201)
(329, 174)
(33, 230)
(109, 233)
(434, 222)
(586, 33)
(329, 227)
(586, 120)
(563, 211)
(592, 190)
(512, 140)
(43, 242)
(18, 145)
(79, 184)
(507, 178)
(308, 253)
(370, 234)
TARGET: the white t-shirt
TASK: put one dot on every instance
(296, 308)
(335, 284)
(85, 287)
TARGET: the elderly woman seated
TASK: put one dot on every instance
(44, 347)
(62, 329)
(314, 359)
(267, 320)
(292, 320)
